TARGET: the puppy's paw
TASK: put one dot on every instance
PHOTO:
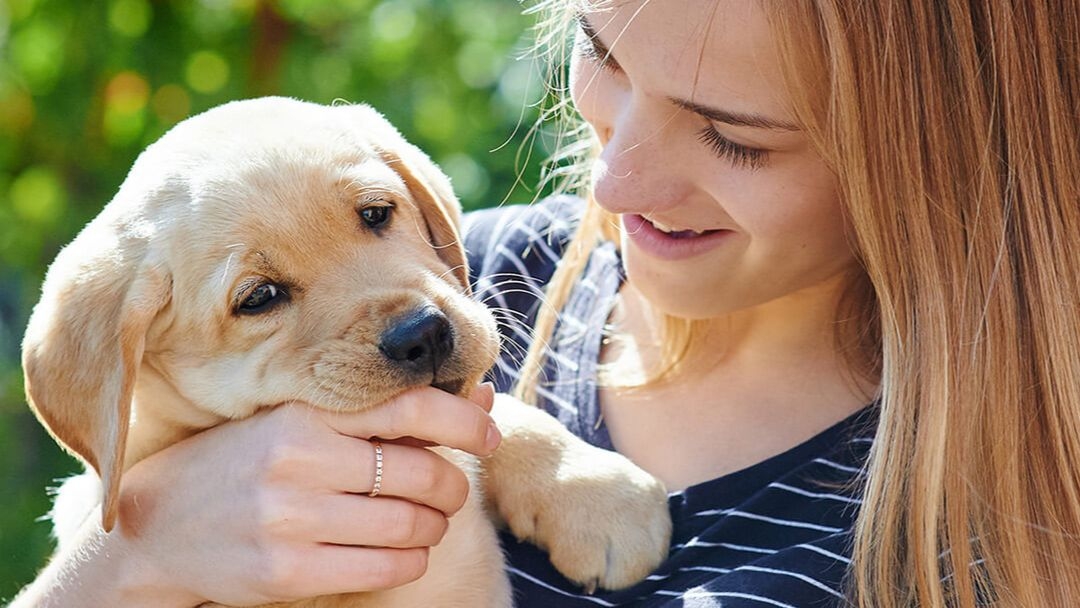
(603, 521)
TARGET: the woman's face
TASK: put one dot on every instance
(723, 203)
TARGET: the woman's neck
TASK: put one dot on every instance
(755, 383)
(795, 331)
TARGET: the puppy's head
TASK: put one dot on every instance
(265, 251)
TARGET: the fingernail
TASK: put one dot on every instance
(493, 438)
(483, 394)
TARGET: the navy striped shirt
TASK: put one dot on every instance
(777, 533)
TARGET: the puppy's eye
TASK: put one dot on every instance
(261, 299)
(375, 216)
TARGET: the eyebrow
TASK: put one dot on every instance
(738, 119)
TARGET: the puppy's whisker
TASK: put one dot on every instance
(443, 275)
(509, 312)
(515, 283)
(309, 390)
(512, 319)
(508, 281)
(514, 353)
(496, 295)
(512, 349)
(335, 392)
(320, 388)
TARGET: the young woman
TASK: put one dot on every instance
(825, 287)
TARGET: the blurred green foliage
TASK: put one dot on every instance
(84, 86)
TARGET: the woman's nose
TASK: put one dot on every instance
(638, 170)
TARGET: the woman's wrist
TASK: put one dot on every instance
(139, 582)
(102, 569)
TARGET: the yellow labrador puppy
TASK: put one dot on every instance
(273, 250)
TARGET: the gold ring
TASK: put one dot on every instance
(377, 486)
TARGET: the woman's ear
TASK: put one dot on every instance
(84, 344)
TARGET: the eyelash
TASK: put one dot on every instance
(588, 50)
(741, 156)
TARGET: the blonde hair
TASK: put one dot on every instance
(953, 128)
(952, 125)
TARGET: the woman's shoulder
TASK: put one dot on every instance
(513, 251)
(525, 239)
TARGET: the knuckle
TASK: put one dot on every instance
(273, 516)
(408, 522)
(282, 574)
(283, 460)
(426, 478)
(454, 485)
(441, 526)
(418, 563)
(396, 568)
(459, 497)
(409, 566)
(381, 574)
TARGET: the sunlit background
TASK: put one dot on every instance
(85, 85)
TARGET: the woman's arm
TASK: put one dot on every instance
(275, 508)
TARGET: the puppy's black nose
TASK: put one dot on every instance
(419, 342)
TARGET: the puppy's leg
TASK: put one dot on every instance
(604, 521)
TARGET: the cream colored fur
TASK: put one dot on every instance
(138, 342)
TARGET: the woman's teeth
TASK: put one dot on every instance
(676, 233)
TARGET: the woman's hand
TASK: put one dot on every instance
(276, 507)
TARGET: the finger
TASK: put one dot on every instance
(331, 569)
(421, 475)
(376, 522)
(414, 442)
(483, 395)
(413, 473)
(426, 414)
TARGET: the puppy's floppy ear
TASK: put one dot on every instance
(439, 206)
(426, 182)
(84, 344)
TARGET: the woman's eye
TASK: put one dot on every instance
(375, 216)
(590, 49)
(741, 156)
(590, 53)
(262, 298)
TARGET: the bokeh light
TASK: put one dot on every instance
(206, 72)
(124, 118)
(37, 195)
(130, 18)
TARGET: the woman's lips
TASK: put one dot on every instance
(670, 245)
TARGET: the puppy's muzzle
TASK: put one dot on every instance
(420, 342)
